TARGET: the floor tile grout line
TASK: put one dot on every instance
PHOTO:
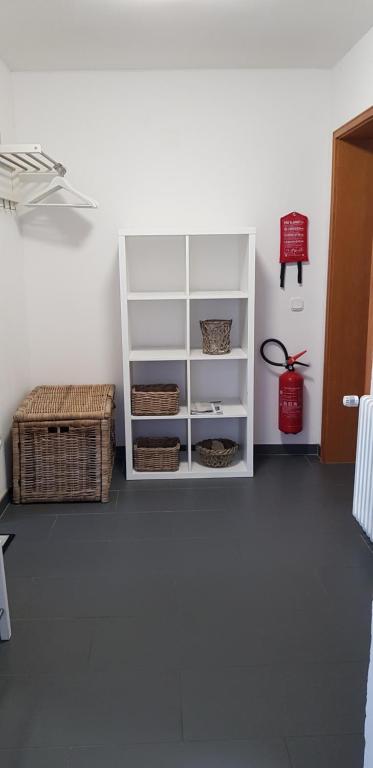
(51, 529)
(181, 707)
(363, 538)
(153, 539)
(103, 514)
(70, 748)
(223, 740)
(176, 670)
(291, 764)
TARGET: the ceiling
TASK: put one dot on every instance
(171, 34)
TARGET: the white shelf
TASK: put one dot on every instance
(197, 470)
(239, 468)
(190, 232)
(230, 411)
(236, 353)
(218, 295)
(181, 295)
(160, 353)
(183, 414)
(166, 353)
(156, 295)
(170, 282)
(182, 472)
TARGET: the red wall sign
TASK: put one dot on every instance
(294, 238)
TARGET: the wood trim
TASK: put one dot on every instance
(357, 122)
(349, 142)
(369, 351)
(325, 410)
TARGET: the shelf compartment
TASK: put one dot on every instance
(219, 309)
(157, 353)
(150, 426)
(156, 263)
(205, 428)
(233, 409)
(232, 428)
(161, 372)
(155, 326)
(163, 427)
(225, 380)
(218, 262)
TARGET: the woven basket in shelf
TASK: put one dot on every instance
(155, 399)
(216, 336)
(216, 453)
(63, 444)
(156, 454)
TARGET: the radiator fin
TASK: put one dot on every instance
(363, 491)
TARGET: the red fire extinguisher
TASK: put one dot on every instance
(290, 390)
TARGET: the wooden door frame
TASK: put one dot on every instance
(360, 127)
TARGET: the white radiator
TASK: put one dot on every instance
(363, 491)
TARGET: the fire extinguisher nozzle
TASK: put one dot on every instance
(293, 358)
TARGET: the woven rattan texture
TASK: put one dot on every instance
(69, 458)
(156, 454)
(70, 402)
(216, 453)
(155, 399)
(216, 336)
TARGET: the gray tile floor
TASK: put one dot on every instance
(211, 624)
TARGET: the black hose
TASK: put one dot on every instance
(280, 365)
(280, 344)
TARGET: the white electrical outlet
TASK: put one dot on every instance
(297, 304)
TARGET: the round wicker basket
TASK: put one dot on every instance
(216, 453)
(216, 336)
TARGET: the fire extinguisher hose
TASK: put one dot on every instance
(290, 360)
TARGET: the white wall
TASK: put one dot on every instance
(13, 346)
(178, 149)
(352, 82)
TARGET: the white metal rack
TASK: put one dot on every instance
(27, 158)
(19, 161)
(169, 282)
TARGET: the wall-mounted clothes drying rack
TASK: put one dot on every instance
(19, 162)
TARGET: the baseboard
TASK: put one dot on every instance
(291, 449)
(270, 449)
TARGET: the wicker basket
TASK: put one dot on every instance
(216, 336)
(216, 453)
(63, 444)
(155, 399)
(156, 454)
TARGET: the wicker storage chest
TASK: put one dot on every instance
(63, 444)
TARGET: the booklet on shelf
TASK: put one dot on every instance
(214, 408)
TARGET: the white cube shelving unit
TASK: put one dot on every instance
(169, 282)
